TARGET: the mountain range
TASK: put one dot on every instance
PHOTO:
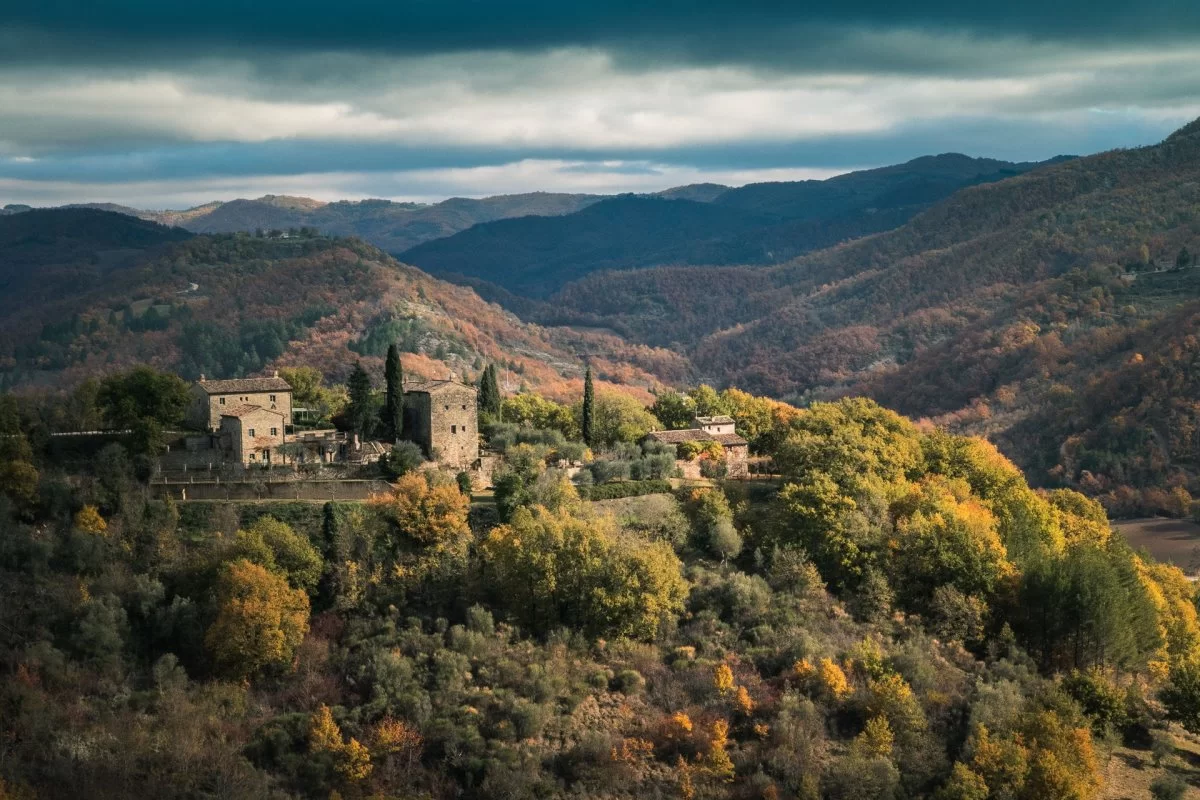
(1050, 307)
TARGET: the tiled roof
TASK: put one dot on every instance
(432, 387)
(694, 435)
(247, 410)
(274, 384)
(717, 420)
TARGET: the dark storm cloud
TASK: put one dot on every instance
(122, 31)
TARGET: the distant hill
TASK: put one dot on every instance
(48, 254)
(757, 224)
(1045, 310)
(393, 227)
(84, 292)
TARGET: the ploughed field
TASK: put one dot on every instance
(1176, 541)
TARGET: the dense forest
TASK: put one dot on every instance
(897, 615)
(760, 223)
(91, 291)
(1049, 311)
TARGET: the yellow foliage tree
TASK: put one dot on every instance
(432, 516)
(717, 760)
(833, 682)
(260, 621)
(88, 520)
(723, 678)
(876, 739)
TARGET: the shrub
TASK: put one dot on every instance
(1168, 787)
(615, 491)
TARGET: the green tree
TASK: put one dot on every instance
(393, 406)
(587, 417)
(143, 393)
(616, 417)
(359, 411)
(276, 546)
(260, 621)
(489, 393)
(552, 569)
(674, 410)
(1181, 696)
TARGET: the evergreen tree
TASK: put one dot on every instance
(489, 392)
(358, 412)
(393, 407)
(588, 418)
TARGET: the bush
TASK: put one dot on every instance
(629, 681)
(614, 491)
(1168, 787)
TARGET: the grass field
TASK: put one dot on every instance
(1176, 541)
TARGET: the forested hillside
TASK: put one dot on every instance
(763, 223)
(89, 291)
(1050, 310)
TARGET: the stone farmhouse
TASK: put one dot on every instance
(212, 399)
(709, 429)
(442, 417)
(248, 421)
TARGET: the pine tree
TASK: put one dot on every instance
(393, 408)
(588, 420)
(358, 412)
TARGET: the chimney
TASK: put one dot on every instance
(275, 374)
(202, 377)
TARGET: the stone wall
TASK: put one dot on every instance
(315, 491)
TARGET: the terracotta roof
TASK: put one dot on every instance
(695, 435)
(274, 384)
(247, 410)
(720, 419)
(432, 387)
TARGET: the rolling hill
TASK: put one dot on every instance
(756, 224)
(1054, 311)
(87, 292)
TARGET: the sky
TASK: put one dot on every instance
(168, 105)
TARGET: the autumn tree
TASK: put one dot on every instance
(275, 546)
(615, 417)
(260, 621)
(674, 410)
(554, 568)
(393, 405)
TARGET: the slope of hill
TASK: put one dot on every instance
(756, 224)
(1045, 310)
(50, 253)
(232, 304)
(392, 227)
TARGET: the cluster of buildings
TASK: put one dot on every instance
(248, 421)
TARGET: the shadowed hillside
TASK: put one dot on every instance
(763, 223)
(89, 291)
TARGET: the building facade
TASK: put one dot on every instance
(252, 435)
(212, 399)
(443, 419)
(735, 450)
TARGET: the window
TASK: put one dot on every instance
(274, 431)
(221, 400)
(251, 433)
(447, 408)
(272, 398)
(252, 456)
(464, 408)
(454, 429)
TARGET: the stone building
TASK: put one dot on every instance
(252, 435)
(211, 399)
(442, 417)
(735, 449)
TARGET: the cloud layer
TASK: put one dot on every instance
(167, 105)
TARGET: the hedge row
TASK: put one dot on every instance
(613, 491)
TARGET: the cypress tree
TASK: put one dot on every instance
(588, 420)
(393, 407)
(358, 411)
(489, 392)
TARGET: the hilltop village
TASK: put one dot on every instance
(278, 587)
